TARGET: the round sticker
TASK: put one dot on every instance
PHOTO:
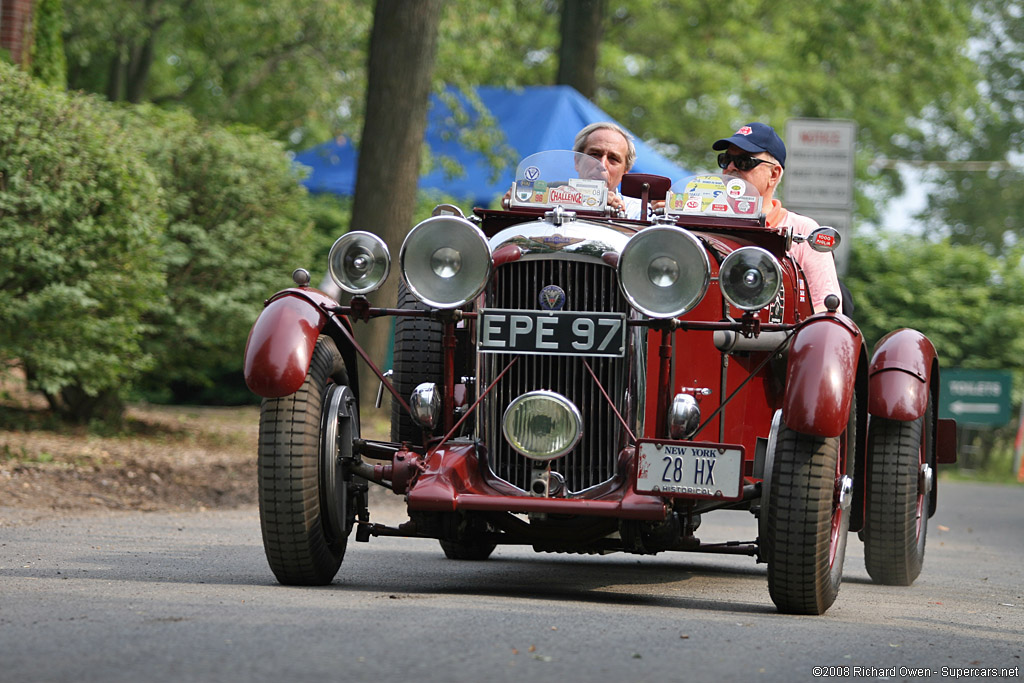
(531, 173)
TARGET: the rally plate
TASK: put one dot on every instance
(689, 469)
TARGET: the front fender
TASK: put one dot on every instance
(899, 377)
(280, 345)
(821, 376)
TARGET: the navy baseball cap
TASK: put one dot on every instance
(756, 137)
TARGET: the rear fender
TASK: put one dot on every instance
(900, 376)
(821, 376)
(280, 345)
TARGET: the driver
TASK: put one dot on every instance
(611, 145)
(757, 154)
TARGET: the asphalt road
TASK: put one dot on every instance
(189, 597)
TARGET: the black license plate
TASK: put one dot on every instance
(554, 333)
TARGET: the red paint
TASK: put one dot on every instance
(280, 345)
(820, 377)
(899, 377)
(451, 481)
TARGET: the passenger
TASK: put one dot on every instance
(757, 154)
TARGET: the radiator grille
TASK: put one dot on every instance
(589, 286)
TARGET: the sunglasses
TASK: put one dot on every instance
(743, 162)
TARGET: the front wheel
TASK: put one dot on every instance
(899, 485)
(807, 520)
(307, 501)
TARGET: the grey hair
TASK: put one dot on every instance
(581, 139)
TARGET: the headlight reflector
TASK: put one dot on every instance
(445, 261)
(750, 278)
(542, 425)
(664, 271)
(359, 262)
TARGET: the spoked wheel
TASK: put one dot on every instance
(805, 506)
(417, 359)
(308, 503)
(898, 490)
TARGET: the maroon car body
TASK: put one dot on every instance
(576, 382)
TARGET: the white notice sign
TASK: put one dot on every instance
(819, 163)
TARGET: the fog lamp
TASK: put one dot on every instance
(750, 278)
(542, 425)
(359, 262)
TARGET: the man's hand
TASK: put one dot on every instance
(615, 202)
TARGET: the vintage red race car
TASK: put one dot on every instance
(577, 382)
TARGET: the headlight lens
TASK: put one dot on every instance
(446, 261)
(359, 262)
(664, 271)
(750, 278)
(542, 425)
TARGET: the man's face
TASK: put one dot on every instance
(611, 149)
(763, 176)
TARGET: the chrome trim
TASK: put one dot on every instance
(845, 489)
(425, 405)
(579, 239)
(683, 416)
(339, 428)
(925, 480)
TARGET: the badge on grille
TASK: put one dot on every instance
(552, 298)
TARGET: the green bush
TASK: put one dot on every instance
(80, 222)
(238, 223)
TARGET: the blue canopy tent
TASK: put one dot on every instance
(533, 119)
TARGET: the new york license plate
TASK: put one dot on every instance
(557, 333)
(689, 469)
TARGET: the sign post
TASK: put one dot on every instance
(818, 182)
(976, 397)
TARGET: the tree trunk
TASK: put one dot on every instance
(403, 45)
(581, 37)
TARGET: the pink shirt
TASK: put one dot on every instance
(819, 267)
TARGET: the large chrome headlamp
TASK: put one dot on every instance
(664, 271)
(359, 262)
(445, 261)
(750, 278)
(542, 425)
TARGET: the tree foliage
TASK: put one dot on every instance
(49, 64)
(970, 305)
(294, 68)
(981, 205)
(677, 72)
(80, 227)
